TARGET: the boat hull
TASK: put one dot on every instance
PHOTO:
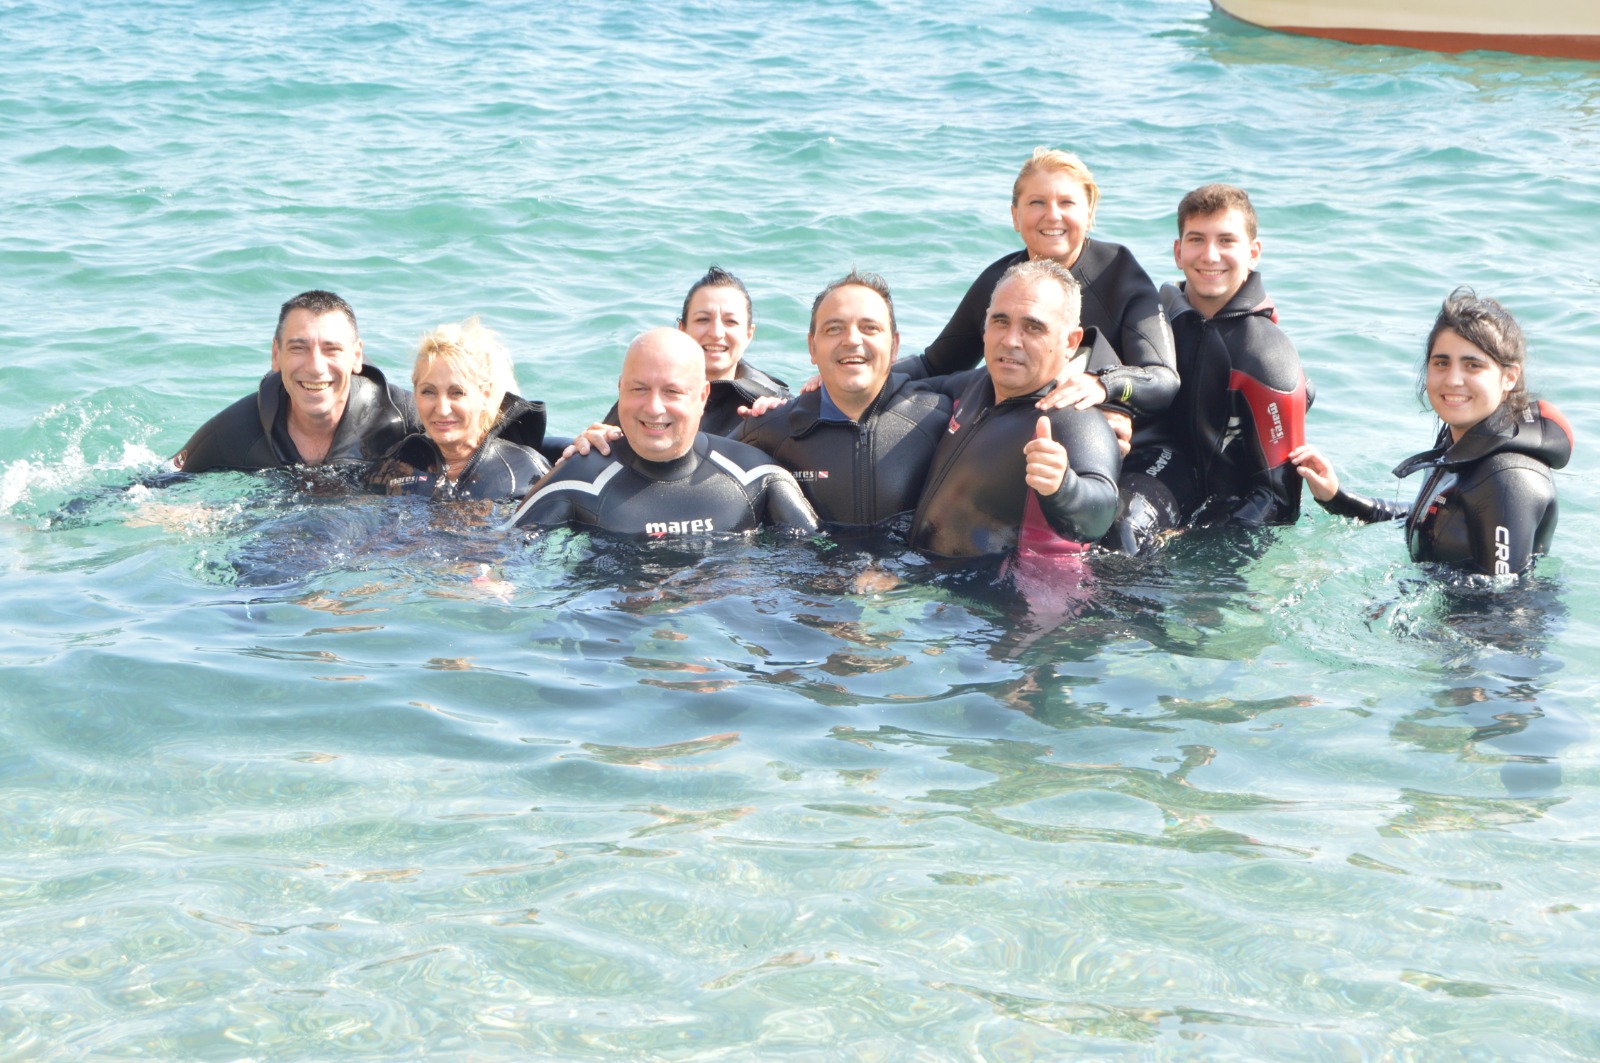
(1562, 28)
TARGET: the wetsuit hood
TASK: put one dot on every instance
(521, 421)
(1539, 432)
(1251, 298)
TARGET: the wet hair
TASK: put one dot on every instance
(1489, 327)
(473, 353)
(1060, 162)
(1048, 269)
(1217, 199)
(855, 278)
(717, 277)
(318, 302)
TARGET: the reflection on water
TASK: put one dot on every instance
(1493, 703)
(375, 769)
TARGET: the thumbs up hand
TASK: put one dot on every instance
(1047, 460)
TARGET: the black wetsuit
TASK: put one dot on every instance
(253, 433)
(722, 405)
(1220, 454)
(498, 469)
(977, 501)
(1488, 504)
(718, 486)
(856, 472)
(1118, 299)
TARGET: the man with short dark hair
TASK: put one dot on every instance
(1220, 454)
(320, 405)
(860, 444)
(665, 477)
(1004, 473)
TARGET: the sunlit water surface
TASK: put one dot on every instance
(303, 777)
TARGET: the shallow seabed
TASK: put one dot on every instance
(313, 778)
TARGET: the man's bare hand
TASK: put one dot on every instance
(597, 436)
(1047, 460)
(762, 405)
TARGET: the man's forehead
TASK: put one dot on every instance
(303, 320)
(659, 367)
(853, 300)
(1034, 295)
(1229, 220)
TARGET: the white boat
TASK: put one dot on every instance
(1566, 28)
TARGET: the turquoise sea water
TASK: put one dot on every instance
(280, 780)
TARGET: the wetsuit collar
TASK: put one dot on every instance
(828, 410)
(272, 404)
(663, 471)
(1251, 298)
(1540, 432)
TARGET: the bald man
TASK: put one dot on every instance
(665, 478)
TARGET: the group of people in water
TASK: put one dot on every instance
(1067, 403)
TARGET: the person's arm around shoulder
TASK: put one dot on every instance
(1323, 482)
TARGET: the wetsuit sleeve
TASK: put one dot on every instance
(1086, 503)
(1147, 380)
(960, 345)
(787, 506)
(230, 440)
(1362, 508)
(1504, 514)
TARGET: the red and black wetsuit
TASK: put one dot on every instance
(1488, 504)
(504, 466)
(1220, 454)
(718, 486)
(253, 433)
